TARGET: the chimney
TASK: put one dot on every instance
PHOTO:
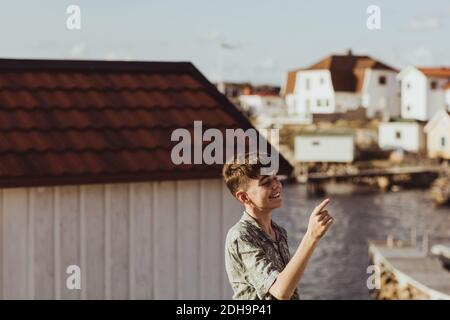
(349, 52)
(246, 90)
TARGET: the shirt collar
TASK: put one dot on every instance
(251, 220)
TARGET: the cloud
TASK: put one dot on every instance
(79, 50)
(424, 23)
(420, 56)
(267, 64)
(116, 56)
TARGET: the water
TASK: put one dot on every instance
(338, 267)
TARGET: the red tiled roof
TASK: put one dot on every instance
(347, 71)
(436, 72)
(73, 122)
(290, 83)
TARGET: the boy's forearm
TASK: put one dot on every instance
(288, 279)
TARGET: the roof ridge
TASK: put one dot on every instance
(79, 129)
(104, 89)
(94, 65)
(81, 150)
(102, 109)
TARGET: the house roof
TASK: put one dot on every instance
(289, 86)
(347, 71)
(439, 117)
(442, 72)
(76, 122)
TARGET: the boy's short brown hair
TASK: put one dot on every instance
(237, 171)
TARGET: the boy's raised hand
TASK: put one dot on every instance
(319, 221)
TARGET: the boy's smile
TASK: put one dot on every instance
(269, 187)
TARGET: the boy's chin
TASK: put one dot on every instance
(276, 204)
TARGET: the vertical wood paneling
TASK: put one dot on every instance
(142, 261)
(94, 220)
(14, 231)
(211, 239)
(119, 256)
(165, 258)
(41, 244)
(231, 212)
(57, 236)
(82, 205)
(131, 242)
(69, 217)
(107, 241)
(188, 236)
(151, 240)
(1, 244)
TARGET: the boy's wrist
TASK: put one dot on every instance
(311, 238)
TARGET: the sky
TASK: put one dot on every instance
(263, 39)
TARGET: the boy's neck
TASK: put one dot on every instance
(264, 218)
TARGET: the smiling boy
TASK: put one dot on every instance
(257, 258)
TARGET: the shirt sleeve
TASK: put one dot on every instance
(260, 270)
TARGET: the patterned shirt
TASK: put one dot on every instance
(253, 260)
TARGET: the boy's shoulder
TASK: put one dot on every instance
(237, 231)
(246, 230)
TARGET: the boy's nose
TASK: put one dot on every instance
(276, 184)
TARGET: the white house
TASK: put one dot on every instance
(405, 135)
(447, 96)
(438, 135)
(325, 147)
(339, 83)
(88, 184)
(423, 91)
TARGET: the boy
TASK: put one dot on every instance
(257, 258)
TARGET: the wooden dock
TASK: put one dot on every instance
(376, 172)
(384, 178)
(412, 267)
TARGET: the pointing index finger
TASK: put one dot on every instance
(322, 205)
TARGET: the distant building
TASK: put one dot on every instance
(447, 96)
(233, 89)
(326, 146)
(438, 135)
(339, 83)
(262, 104)
(404, 135)
(423, 92)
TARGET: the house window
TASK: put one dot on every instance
(433, 85)
(408, 108)
(398, 135)
(307, 84)
(316, 143)
(321, 81)
(443, 142)
(382, 80)
(408, 85)
(318, 102)
(327, 102)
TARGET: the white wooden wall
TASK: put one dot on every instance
(150, 240)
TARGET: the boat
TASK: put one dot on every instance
(440, 190)
(442, 251)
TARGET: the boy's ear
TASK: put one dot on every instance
(242, 197)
